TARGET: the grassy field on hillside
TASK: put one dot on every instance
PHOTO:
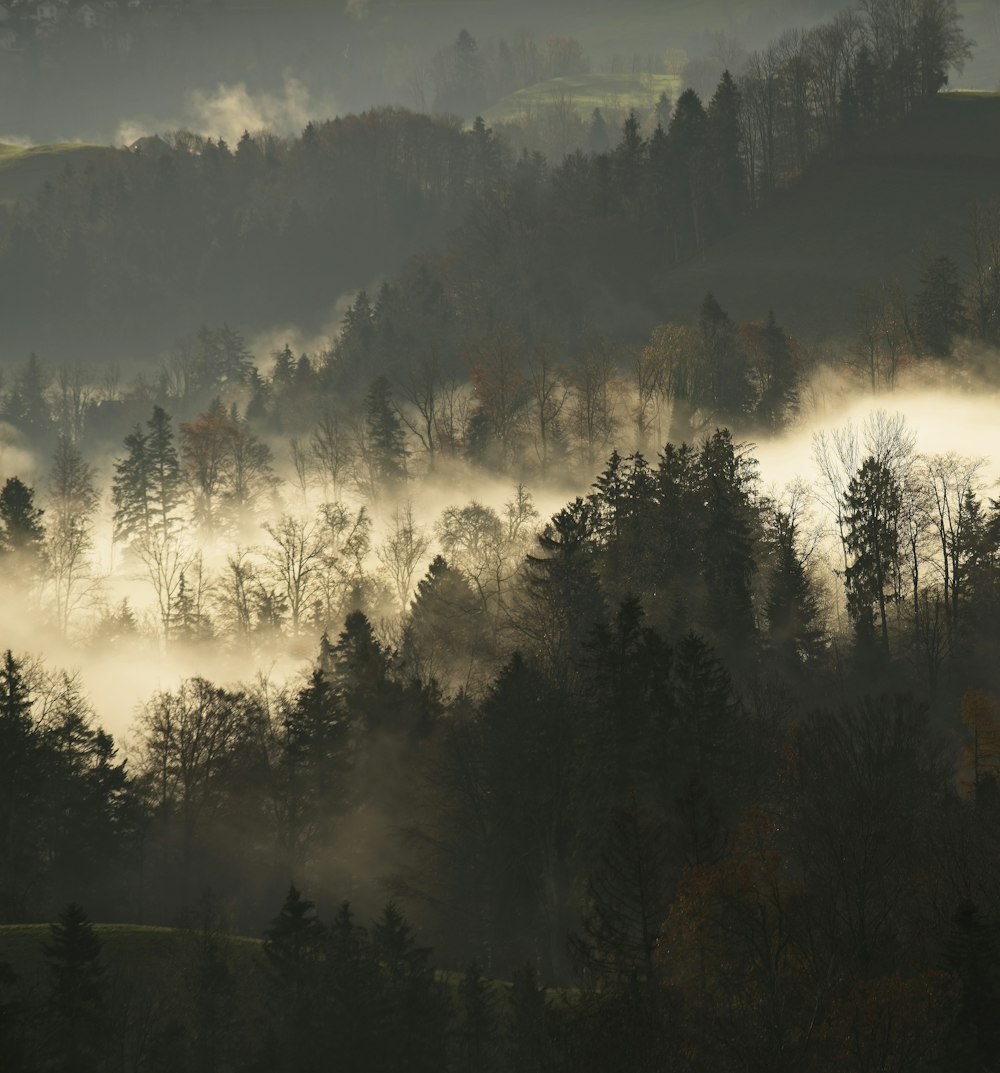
(23, 170)
(611, 93)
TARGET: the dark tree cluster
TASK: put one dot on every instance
(188, 227)
(185, 226)
(723, 831)
(68, 818)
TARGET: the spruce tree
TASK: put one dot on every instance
(448, 631)
(529, 1044)
(971, 955)
(77, 994)
(872, 503)
(166, 490)
(780, 395)
(795, 635)
(477, 1029)
(21, 778)
(706, 730)
(597, 138)
(22, 531)
(416, 1005)
(727, 477)
(725, 162)
(938, 306)
(628, 896)
(723, 386)
(294, 946)
(387, 441)
(130, 488)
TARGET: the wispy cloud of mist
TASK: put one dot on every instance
(15, 460)
(231, 108)
(357, 9)
(18, 140)
(265, 344)
(941, 423)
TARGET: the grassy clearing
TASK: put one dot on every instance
(23, 170)
(611, 93)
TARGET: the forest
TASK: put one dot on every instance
(498, 708)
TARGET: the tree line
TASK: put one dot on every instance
(650, 762)
(259, 231)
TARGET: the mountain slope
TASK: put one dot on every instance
(24, 170)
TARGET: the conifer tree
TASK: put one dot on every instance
(130, 488)
(725, 163)
(21, 775)
(530, 1044)
(166, 483)
(448, 632)
(971, 954)
(477, 1025)
(416, 1006)
(294, 946)
(628, 896)
(780, 395)
(597, 138)
(73, 501)
(77, 995)
(14, 1040)
(873, 502)
(938, 306)
(706, 736)
(312, 790)
(794, 631)
(22, 531)
(727, 477)
(722, 383)
(386, 439)
(26, 406)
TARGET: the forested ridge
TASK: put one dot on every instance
(105, 260)
(648, 763)
(675, 771)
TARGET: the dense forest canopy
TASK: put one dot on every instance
(423, 650)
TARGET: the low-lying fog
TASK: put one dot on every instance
(118, 679)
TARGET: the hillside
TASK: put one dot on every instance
(609, 92)
(880, 213)
(23, 170)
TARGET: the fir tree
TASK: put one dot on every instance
(971, 954)
(165, 477)
(795, 635)
(294, 946)
(387, 441)
(725, 161)
(21, 778)
(477, 1025)
(780, 395)
(22, 533)
(706, 730)
(628, 896)
(130, 488)
(872, 508)
(597, 137)
(77, 994)
(938, 306)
